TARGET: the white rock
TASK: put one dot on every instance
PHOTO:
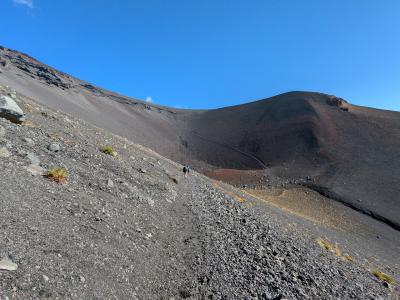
(33, 158)
(110, 183)
(150, 201)
(35, 170)
(29, 141)
(54, 147)
(2, 131)
(4, 153)
(10, 110)
(45, 278)
(7, 264)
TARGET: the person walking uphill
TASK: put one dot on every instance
(186, 170)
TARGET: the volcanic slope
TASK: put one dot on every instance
(126, 224)
(348, 153)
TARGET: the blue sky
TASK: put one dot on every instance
(214, 53)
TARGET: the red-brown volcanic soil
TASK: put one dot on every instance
(348, 153)
(235, 176)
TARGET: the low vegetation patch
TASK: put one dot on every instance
(331, 247)
(55, 136)
(58, 175)
(383, 277)
(348, 257)
(108, 150)
(29, 123)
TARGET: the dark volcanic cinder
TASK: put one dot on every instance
(80, 223)
(130, 226)
(346, 152)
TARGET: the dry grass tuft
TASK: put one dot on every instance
(29, 123)
(348, 257)
(58, 175)
(55, 136)
(383, 277)
(327, 245)
(27, 107)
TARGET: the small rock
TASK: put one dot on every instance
(54, 147)
(143, 171)
(360, 286)
(110, 183)
(150, 201)
(33, 158)
(82, 279)
(2, 131)
(29, 141)
(45, 278)
(33, 228)
(35, 170)
(4, 153)
(7, 264)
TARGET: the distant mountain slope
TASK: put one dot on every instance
(346, 152)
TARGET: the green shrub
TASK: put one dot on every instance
(108, 150)
(383, 277)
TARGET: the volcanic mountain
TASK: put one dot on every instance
(348, 153)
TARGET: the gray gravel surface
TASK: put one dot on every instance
(131, 226)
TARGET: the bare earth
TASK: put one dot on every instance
(131, 227)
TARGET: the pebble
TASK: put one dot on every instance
(54, 147)
(4, 153)
(150, 201)
(110, 183)
(2, 131)
(29, 141)
(35, 170)
(45, 278)
(33, 158)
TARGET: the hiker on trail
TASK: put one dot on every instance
(186, 170)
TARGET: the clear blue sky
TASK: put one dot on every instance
(213, 53)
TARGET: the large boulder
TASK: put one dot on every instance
(10, 110)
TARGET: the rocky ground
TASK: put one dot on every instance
(130, 226)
